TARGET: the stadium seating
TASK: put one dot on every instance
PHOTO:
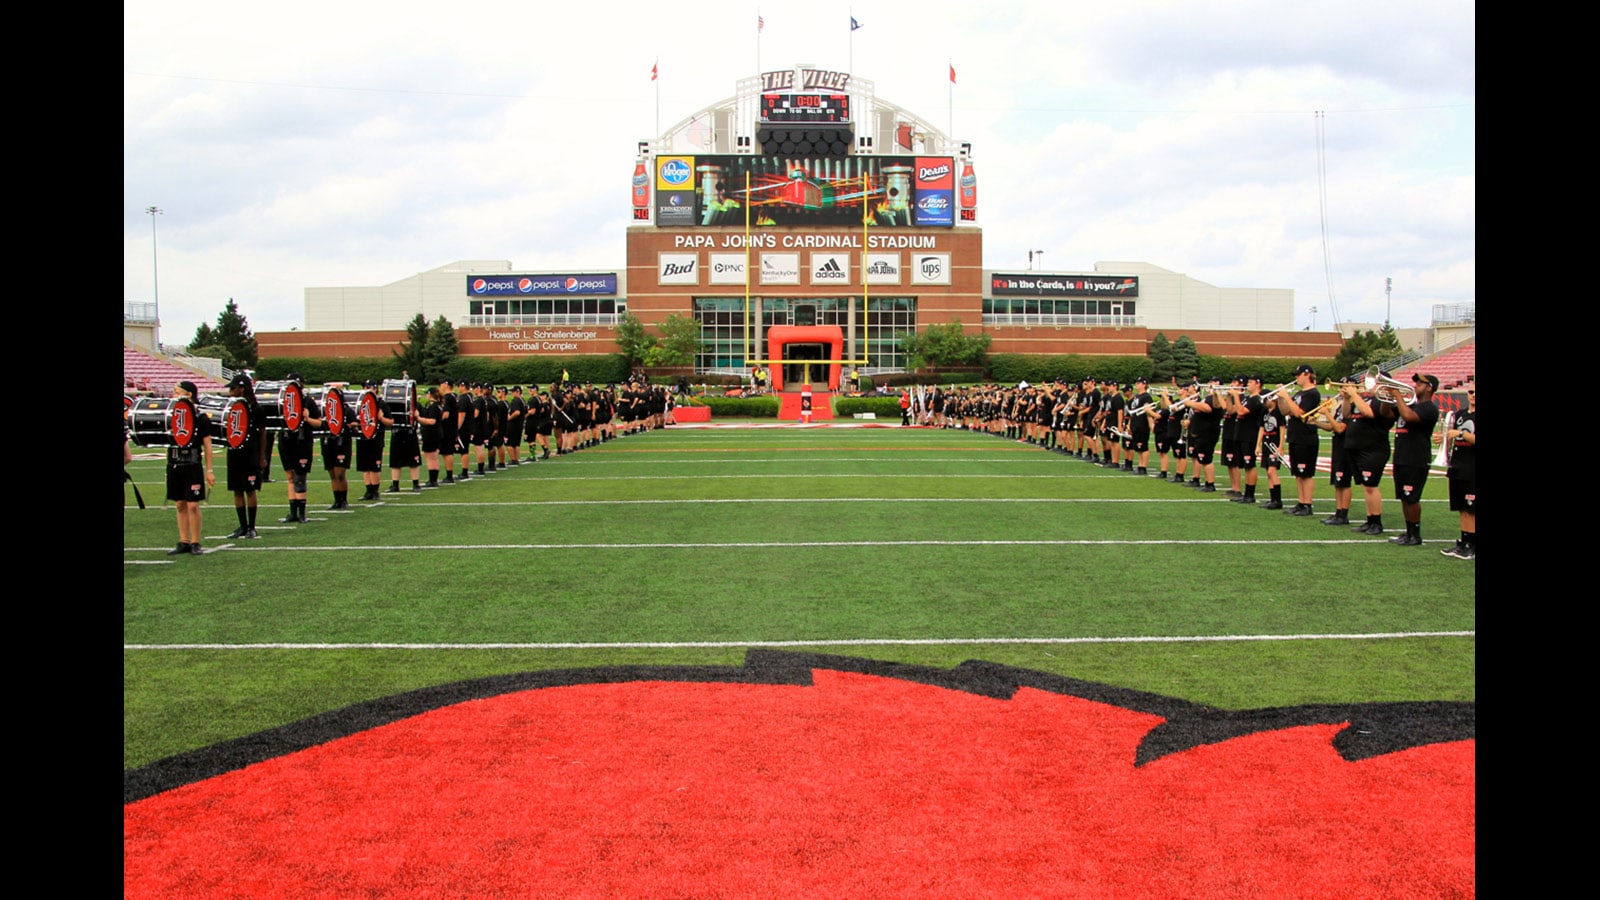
(142, 371)
(1453, 368)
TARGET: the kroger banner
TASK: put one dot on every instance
(587, 284)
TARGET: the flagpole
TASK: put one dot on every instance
(655, 75)
(852, 64)
(951, 111)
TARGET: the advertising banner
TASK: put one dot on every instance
(822, 191)
(678, 268)
(882, 268)
(1035, 284)
(726, 268)
(780, 268)
(592, 284)
(930, 268)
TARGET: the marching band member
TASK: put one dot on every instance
(449, 429)
(1247, 437)
(1366, 439)
(1303, 439)
(1463, 475)
(1270, 456)
(1413, 435)
(1141, 407)
(294, 452)
(245, 462)
(336, 461)
(431, 416)
(1230, 434)
(189, 473)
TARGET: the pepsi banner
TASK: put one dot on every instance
(592, 284)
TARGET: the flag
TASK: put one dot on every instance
(654, 73)
(761, 22)
(854, 24)
(952, 73)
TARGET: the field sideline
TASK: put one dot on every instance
(686, 547)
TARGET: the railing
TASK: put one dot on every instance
(561, 319)
(1053, 320)
(138, 312)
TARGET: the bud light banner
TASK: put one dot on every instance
(935, 208)
(588, 285)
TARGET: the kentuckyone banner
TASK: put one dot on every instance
(584, 284)
(1033, 284)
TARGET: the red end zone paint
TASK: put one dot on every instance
(858, 785)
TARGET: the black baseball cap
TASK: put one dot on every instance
(240, 380)
(1304, 369)
(1432, 380)
(188, 388)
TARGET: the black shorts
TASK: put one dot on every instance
(336, 454)
(1409, 482)
(1339, 469)
(1269, 460)
(1203, 454)
(403, 453)
(1303, 460)
(186, 484)
(369, 454)
(1464, 495)
(1367, 466)
(295, 454)
(243, 474)
(430, 443)
(1139, 443)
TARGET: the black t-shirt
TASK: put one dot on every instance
(1413, 441)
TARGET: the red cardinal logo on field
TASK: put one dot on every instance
(814, 776)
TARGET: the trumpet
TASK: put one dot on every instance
(1269, 396)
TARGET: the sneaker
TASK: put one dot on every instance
(290, 519)
(196, 550)
(1459, 551)
(237, 533)
(417, 489)
(1243, 500)
(1336, 519)
(181, 548)
(1273, 504)
(250, 535)
(391, 489)
(1232, 494)
(1208, 489)
(1406, 540)
(1304, 509)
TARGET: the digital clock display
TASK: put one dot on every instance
(801, 109)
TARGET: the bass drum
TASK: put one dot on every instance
(230, 419)
(368, 409)
(164, 422)
(400, 401)
(338, 410)
(282, 404)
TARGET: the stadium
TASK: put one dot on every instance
(749, 657)
(880, 236)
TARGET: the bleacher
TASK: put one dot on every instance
(1453, 367)
(142, 372)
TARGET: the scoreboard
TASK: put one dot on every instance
(778, 108)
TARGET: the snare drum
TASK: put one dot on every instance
(164, 422)
(282, 404)
(368, 409)
(400, 401)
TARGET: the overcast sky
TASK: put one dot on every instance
(357, 143)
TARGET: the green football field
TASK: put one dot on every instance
(691, 546)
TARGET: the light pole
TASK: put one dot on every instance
(1313, 318)
(155, 271)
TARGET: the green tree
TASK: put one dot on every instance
(440, 351)
(233, 332)
(1365, 349)
(945, 345)
(680, 340)
(1165, 364)
(411, 353)
(1185, 358)
(203, 337)
(632, 339)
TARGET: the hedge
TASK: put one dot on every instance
(882, 407)
(608, 368)
(752, 407)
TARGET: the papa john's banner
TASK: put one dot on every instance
(801, 775)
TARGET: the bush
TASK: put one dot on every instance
(595, 369)
(752, 407)
(882, 407)
(1010, 368)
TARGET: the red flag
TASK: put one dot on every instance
(952, 73)
(761, 22)
(654, 73)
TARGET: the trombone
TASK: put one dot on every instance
(1382, 387)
